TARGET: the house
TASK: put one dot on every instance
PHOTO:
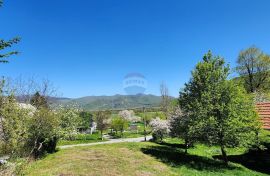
(264, 113)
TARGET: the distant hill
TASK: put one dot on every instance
(115, 102)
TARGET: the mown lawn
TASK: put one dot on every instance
(81, 139)
(147, 159)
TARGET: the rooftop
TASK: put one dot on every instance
(264, 113)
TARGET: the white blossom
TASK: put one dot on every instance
(28, 107)
(157, 124)
(129, 116)
(160, 127)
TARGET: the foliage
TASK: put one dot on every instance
(43, 132)
(13, 126)
(39, 101)
(129, 116)
(7, 44)
(119, 124)
(160, 128)
(29, 131)
(179, 126)
(148, 116)
(69, 123)
(219, 111)
(86, 119)
(261, 96)
(254, 67)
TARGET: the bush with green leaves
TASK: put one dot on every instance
(119, 124)
(33, 132)
(43, 132)
(87, 119)
(13, 126)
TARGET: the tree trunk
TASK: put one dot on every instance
(257, 140)
(224, 155)
(101, 133)
(122, 134)
(144, 125)
(186, 146)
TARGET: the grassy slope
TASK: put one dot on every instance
(117, 159)
(138, 159)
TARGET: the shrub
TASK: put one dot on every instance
(13, 126)
(43, 132)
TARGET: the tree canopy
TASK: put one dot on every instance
(219, 112)
(253, 65)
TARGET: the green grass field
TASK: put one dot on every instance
(134, 134)
(82, 139)
(149, 159)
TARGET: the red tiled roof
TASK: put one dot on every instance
(264, 113)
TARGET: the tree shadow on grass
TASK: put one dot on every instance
(173, 145)
(255, 160)
(176, 157)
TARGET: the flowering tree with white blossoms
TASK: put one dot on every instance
(160, 128)
(69, 122)
(179, 125)
(129, 116)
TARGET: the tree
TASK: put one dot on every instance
(25, 89)
(86, 119)
(219, 112)
(102, 119)
(179, 126)
(39, 101)
(7, 44)
(160, 128)
(254, 67)
(129, 115)
(165, 99)
(69, 122)
(119, 124)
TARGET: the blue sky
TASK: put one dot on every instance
(86, 47)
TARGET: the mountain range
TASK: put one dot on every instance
(115, 102)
